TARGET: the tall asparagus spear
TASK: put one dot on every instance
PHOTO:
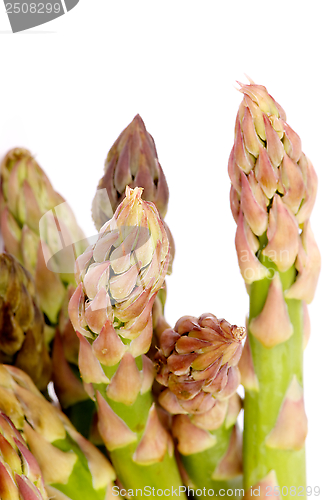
(197, 362)
(119, 278)
(72, 467)
(272, 196)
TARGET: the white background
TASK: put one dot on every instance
(68, 89)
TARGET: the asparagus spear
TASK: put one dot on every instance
(22, 337)
(28, 204)
(35, 220)
(69, 463)
(119, 278)
(20, 475)
(272, 196)
(133, 161)
(197, 362)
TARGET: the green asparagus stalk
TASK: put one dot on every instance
(72, 467)
(20, 474)
(22, 336)
(29, 205)
(197, 363)
(272, 196)
(119, 278)
(40, 230)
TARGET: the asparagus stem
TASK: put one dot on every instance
(200, 468)
(160, 475)
(274, 368)
(79, 485)
(81, 415)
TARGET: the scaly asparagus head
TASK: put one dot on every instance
(197, 363)
(132, 161)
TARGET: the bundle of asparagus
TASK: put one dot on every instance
(166, 404)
